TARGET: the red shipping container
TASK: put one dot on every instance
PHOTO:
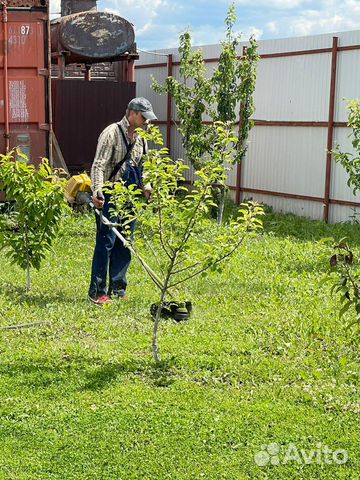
(24, 78)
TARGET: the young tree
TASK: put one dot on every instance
(234, 81)
(195, 96)
(345, 268)
(175, 228)
(38, 202)
(345, 276)
(351, 162)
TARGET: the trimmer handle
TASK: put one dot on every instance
(100, 196)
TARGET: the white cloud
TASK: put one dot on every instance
(253, 31)
(330, 18)
(208, 35)
(273, 27)
(142, 14)
(287, 4)
(139, 12)
(55, 8)
(158, 23)
(145, 28)
(275, 4)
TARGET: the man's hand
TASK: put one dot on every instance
(147, 191)
(98, 200)
(147, 194)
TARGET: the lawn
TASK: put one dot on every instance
(263, 361)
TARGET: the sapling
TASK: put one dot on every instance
(349, 161)
(344, 274)
(197, 96)
(38, 202)
(175, 229)
(234, 81)
(345, 267)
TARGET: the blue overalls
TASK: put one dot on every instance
(110, 253)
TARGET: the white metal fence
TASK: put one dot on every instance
(298, 116)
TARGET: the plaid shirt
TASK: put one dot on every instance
(110, 151)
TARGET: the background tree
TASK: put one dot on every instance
(345, 267)
(234, 81)
(217, 97)
(351, 162)
(193, 99)
(38, 202)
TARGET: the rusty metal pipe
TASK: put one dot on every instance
(131, 71)
(87, 73)
(6, 78)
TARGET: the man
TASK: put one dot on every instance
(118, 156)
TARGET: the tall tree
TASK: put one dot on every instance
(196, 96)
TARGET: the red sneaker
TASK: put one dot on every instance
(100, 301)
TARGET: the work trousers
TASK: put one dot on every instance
(110, 256)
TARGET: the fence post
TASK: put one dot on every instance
(238, 184)
(169, 105)
(330, 133)
(239, 165)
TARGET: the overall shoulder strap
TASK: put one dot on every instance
(129, 147)
(122, 133)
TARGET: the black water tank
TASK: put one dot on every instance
(92, 37)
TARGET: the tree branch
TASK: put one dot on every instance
(185, 268)
(162, 240)
(209, 266)
(149, 245)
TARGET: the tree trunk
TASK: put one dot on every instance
(27, 260)
(155, 347)
(221, 206)
(28, 273)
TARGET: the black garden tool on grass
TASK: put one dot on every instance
(179, 311)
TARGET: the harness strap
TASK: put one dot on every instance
(129, 147)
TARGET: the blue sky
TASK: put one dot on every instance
(158, 23)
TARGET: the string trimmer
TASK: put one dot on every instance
(78, 191)
(179, 311)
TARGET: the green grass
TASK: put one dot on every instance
(264, 359)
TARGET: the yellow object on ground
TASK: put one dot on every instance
(76, 184)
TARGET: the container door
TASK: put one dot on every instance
(27, 78)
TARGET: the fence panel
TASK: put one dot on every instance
(298, 119)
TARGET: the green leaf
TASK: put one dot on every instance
(345, 308)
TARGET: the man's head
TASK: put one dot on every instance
(139, 112)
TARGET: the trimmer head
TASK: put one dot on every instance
(178, 311)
